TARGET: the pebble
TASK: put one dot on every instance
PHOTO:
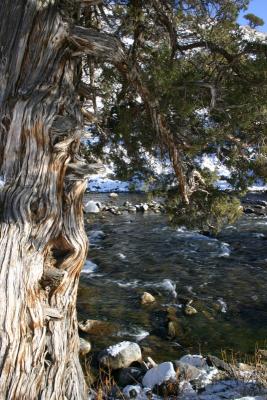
(147, 298)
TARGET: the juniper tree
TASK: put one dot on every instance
(185, 56)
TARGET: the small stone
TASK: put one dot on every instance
(113, 195)
(187, 372)
(144, 207)
(131, 209)
(189, 310)
(85, 346)
(173, 329)
(147, 298)
(121, 355)
(96, 327)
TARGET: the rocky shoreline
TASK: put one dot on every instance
(254, 205)
(122, 372)
(128, 371)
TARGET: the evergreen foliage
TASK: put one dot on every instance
(206, 77)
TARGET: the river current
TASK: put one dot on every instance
(225, 276)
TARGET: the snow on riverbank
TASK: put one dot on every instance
(106, 182)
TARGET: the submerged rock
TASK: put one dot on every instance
(160, 374)
(96, 327)
(96, 235)
(147, 298)
(121, 355)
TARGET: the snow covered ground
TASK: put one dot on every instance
(106, 182)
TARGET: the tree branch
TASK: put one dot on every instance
(97, 44)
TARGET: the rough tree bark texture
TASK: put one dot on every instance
(42, 240)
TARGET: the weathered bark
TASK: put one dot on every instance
(42, 239)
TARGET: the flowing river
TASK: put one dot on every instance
(226, 277)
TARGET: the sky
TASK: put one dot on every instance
(259, 8)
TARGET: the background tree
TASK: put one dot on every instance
(174, 76)
(253, 20)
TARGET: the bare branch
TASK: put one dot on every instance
(97, 44)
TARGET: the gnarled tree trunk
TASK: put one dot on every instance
(42, 240)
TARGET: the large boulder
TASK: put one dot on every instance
(121, 355)
(160, 374)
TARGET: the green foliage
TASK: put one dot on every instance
(213, 97)
(208, 210)
(254, 20)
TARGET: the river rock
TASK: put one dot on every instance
(147, 298)
(85, 347)
(92, 207)
(113, 195)
(219, 364)
(128, 376)
(131, 209)
(144, 207)
(186, 371)
(189, 310)
(96, 235)
(121, 355)
(96, 327)
(160, 374)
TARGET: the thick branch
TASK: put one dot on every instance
(99, 45)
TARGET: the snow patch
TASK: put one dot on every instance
(157, 375)
(118, 348)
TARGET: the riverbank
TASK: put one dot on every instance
(136, 251)
(121, 372)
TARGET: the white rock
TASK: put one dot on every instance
(121, 355)
(161, 373)
(144, 207)
(92, 207)
(113, 195)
